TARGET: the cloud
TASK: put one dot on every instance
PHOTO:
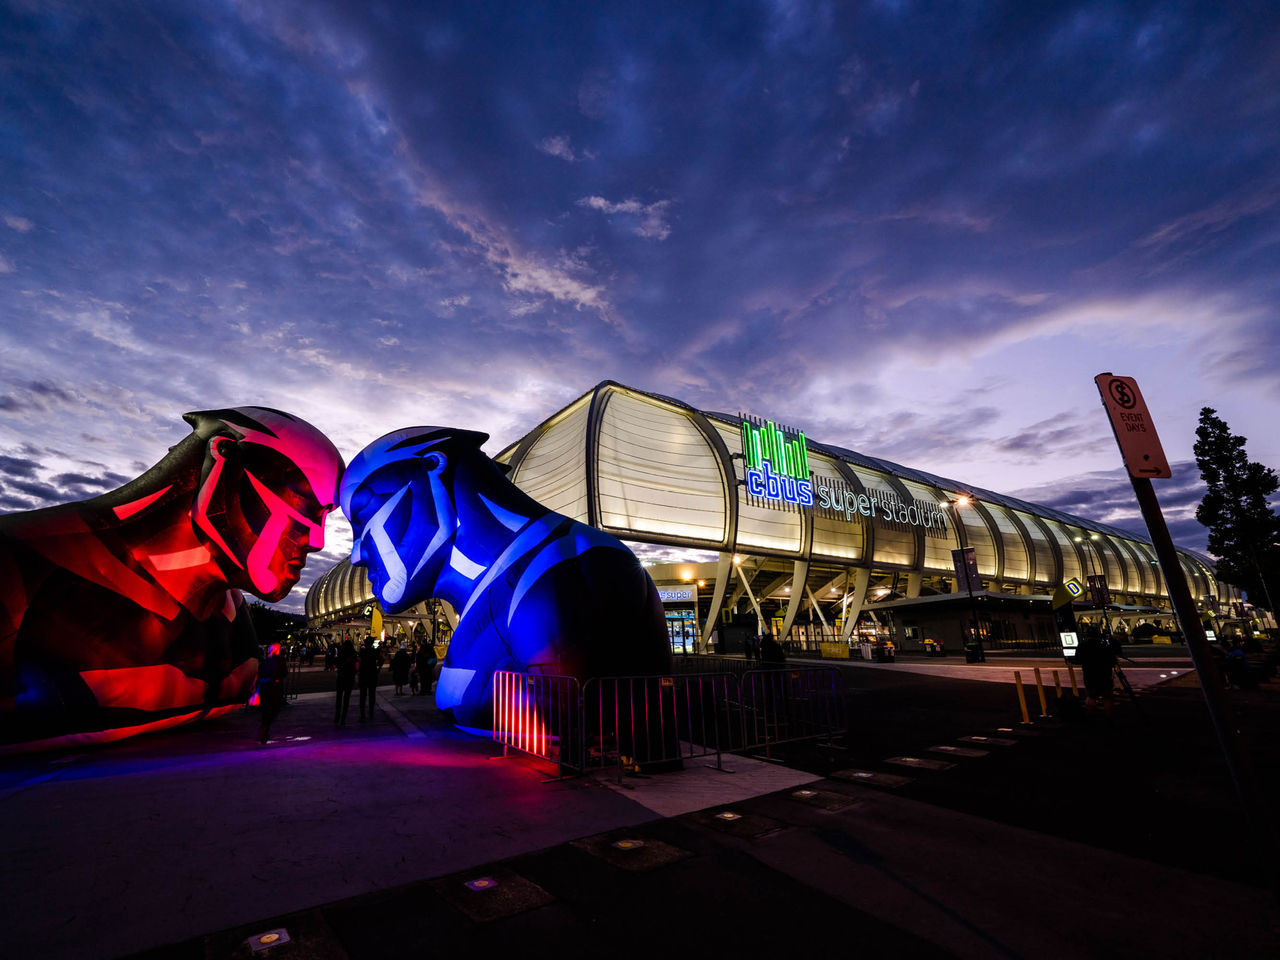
(21, 224)
(561, 148)
(1215, 218)
(108, 481)
(1108, 497)
(18, 466)
(36, 396)
(42, 491)
(5, 265)
(1063, 434)
(650, 217)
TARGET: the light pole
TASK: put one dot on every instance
(976, 637)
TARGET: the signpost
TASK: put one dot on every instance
(1065, 617)
(1135, 433)
(1098, 591)
(965, 561)
(1144, 458)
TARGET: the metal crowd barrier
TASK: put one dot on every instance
(789, 704)
(652, 722)
(661, 721)
(538, 714)
(630, 721)
(712, 663)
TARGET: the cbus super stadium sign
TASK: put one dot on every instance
(774, 467)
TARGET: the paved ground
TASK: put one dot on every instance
(1079, 840)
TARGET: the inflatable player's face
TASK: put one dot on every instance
(268, 482)
(398, 495)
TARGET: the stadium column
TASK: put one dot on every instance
(855, 598)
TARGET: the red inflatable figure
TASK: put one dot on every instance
(123, 613)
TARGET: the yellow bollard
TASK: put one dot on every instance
(1071, 672)
(1057, 685)
(1044, 707)
(1022, 697)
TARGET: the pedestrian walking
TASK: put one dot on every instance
(271, 677)
(370, 664)
(345, 664)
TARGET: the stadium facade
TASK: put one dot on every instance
(765, 529)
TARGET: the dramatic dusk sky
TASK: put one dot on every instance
(917, 230)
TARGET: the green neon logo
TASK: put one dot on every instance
(787, 458)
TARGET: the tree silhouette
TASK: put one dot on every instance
(1244, 531)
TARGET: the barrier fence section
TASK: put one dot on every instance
(655, 721)
(782, 706)
(660, 720)
(539, 714)
(712, 663)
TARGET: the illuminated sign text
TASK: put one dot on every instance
(776, 468)
(880, 505)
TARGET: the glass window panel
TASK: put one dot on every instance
(554, 470)
(656, 473)
(978, 535)
(344, 592)
(1211, 581)
(939, 539)
(1139, 575)
(1016, 565)
(1147, 554)
(892, 542)
(1113, 565)
(835, 536)
(1071, 566)
(1195, 579)
(330, 586)
(1046, 565)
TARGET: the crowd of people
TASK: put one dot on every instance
(412, 664)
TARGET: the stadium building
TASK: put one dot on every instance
(755, 527)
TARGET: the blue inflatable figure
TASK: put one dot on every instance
(434, 517)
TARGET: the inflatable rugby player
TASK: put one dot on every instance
(123, 613)
(433, 516)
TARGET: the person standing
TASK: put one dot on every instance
(427, 662)
(370, 663)
(345, 663)
(1097, 660)
(771, 651)
(400, 664)
(271, 677)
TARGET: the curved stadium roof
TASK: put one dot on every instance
(651, 468)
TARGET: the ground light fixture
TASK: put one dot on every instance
(265, 941)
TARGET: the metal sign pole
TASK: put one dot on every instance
(1215, 694)
(1144, 458)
